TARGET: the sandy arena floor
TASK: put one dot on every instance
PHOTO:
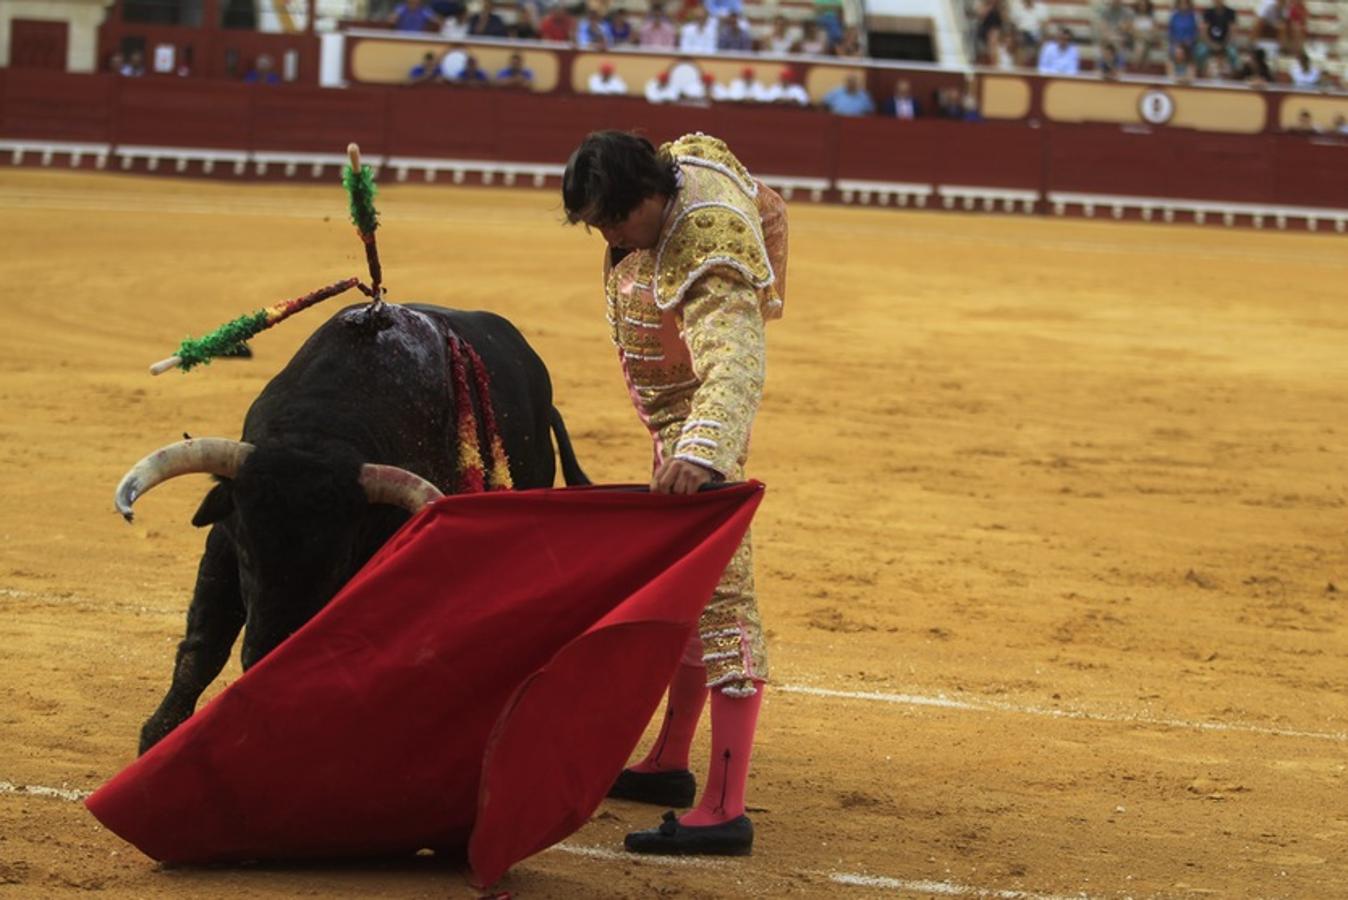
(1053, 556)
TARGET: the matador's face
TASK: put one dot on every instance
(640, 230)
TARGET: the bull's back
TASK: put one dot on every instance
(381, 380)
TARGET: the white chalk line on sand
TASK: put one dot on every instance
(944, 888)
(609, 855)
(37, 790)
(911, 885)
(943, 702)
(938, 701)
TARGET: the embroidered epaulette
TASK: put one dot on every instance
(708, 236)
(704, 150)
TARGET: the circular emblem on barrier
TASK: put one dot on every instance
(1156, 107)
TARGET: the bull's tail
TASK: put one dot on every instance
(571, 471)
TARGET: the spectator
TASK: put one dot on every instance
(787, 91)
(698, 34)
(658, 89)
(453, 27)
(1340, 124)
(949, 104)
(1029, 19)
(413, 15)
(783, 37)
(721, 9)
(969, 107)
(486, 23)
(425, 71)
(134, 66)
(607, 81)
(471, 75)
(1111, 61)
(1254, 67)
(515, 75)
(1297, 22)
(1270, 25)
(1112, 21)
(1059, 56)
(1218, 22)
(557, 25)
(999, 54)
(1143, 34)
(1183, 31)
(849, 99)
(593, 33)
(657, 29)
(850, 45)
(115, 63)
(1180, 64)
(739, 89)
(621, 28)
(732, 35)
(901, 104)
(1304, 73)
(988, 16)
(1305, 124)
(525, 26)
(263, 71)
(828, 15)
(813, 41)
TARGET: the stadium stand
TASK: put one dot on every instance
(1326, 39)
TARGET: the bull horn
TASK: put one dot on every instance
(214, 456)
(397, 487)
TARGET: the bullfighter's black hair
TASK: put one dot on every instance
(609, 175)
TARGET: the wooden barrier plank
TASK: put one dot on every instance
(56, 106)
(1310, 171)
(442, 122)
(886, 149)
(185, 113)
(319, 120)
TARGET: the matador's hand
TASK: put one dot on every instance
(677, 476)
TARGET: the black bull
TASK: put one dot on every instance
(309, 496)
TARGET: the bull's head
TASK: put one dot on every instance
(299, 524)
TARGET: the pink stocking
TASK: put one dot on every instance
(733, 720)
(683, 708)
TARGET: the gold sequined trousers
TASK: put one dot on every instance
(733, 648)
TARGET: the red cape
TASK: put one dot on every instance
(476, 687)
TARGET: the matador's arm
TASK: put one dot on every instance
(723, 327)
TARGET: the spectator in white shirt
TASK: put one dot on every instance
(745, 87)
(1304, 72)
(607, 81)
(454, 27)
(659, 91)
(698, 34)
(784, 36)
(1060, 57)
(787, 91)
(1029, 18)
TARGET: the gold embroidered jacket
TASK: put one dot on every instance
(687, 317)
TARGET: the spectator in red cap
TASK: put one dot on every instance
(658, 89)
(788, 90)
(607, 81)
(740, 89)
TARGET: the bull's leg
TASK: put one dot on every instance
(213, 622)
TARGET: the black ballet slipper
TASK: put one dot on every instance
(733, 838)
(675, 788)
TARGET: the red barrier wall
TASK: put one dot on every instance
(440, 122)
